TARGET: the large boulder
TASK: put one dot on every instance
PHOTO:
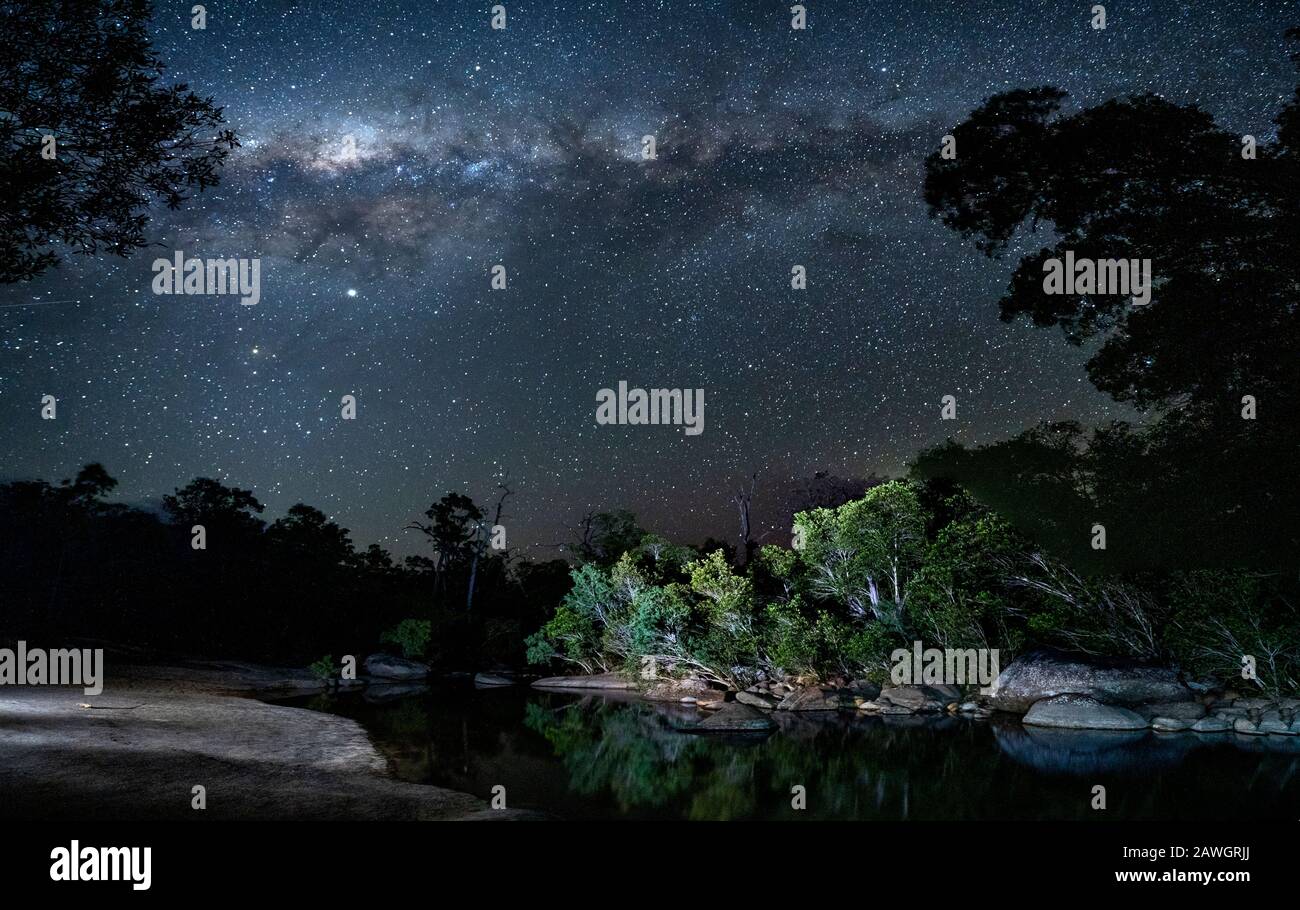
(815, 698)
(864, 689)
(492, 680)
(757, 700)
(1044, 673)
(690, 691)
(914, 699)
(1181, 710)
(1079, 712)
(383, 691)
(595, 681)
(733, 718)
(386, 666)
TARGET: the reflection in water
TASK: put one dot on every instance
(614, 756)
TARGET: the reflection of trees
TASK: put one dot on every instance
(595, 756)
(852, 767)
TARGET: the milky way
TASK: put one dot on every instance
(522, 147)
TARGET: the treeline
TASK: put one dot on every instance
(73, 565)
(908, 561)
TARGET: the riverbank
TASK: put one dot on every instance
(140, 748)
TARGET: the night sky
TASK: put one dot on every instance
(522, 147)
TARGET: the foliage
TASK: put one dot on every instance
(323, 668)
(918, 560)
(410, 636)
(1208, 479)
(85, 72)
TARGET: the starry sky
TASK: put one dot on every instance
(522, 147)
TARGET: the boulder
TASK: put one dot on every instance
(1275, 727)
(757, 700)
(381, 692)
(864, 689)
(1044, 673)
(492, 680)
(679, 690)
(949, 693)
(1247, 726)
(386, 666)
(1079, 712)
(733, 718)
(969, 709)
(914, 699)
(596, 681)
(1170, 724)
(1211, 725)
(1182, 710)
(814, 698)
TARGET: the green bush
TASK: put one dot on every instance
(323, 668)
(410, 636)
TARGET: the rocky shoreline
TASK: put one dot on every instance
(1044, 688)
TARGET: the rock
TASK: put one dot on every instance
(1276, 727)
(1211, 725)
(1169, 724)
(916, 699)
(813, 698)
(1079, 712)
(596, 681)
(381, 692)
(386, 666)
(1182, 710)
(733, 718)
(949, 693)
(1295, 726)
(757, 700)
(1247, 726)
(1253, 704)
(681, 689)
(148, 741)
(864, 689)
(492, 680)
(1045, 673)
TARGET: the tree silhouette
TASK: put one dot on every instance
(1141, 178)
(84, 73)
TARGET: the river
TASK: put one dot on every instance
(614, 756)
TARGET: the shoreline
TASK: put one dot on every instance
(137, 750)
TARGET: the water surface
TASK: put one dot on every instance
(599, 756)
